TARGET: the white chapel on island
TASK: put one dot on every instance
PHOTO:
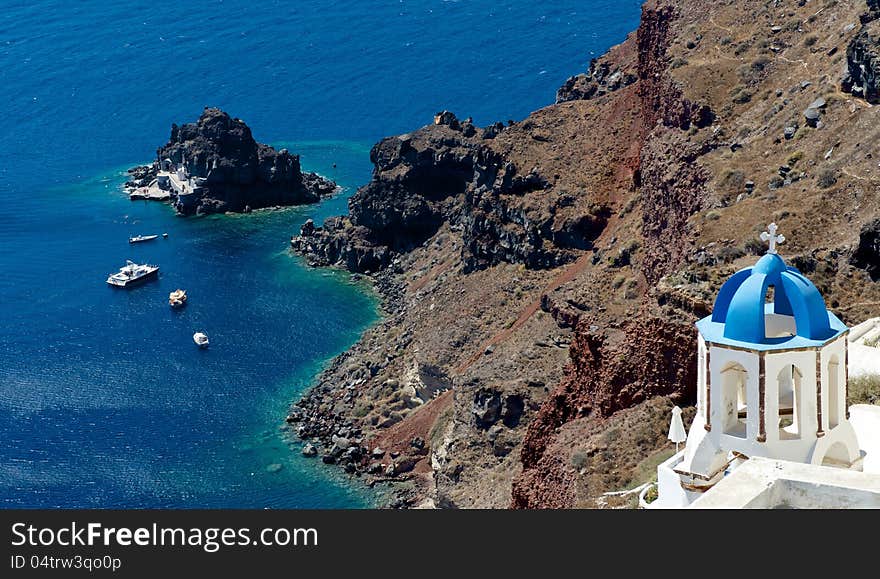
(771, 384)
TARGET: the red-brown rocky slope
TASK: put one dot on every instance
(542, 277)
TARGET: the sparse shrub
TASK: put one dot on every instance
(758, 66)
(611, 435)
(776, 182)
(740, 95)
(580, 459)
(827, 178)
(810, 40)
(713, 215)
(678, 62)
(794, 158)
(725, 40)
(729, 253)
(361, 409)
(389, 388)
(624, 256)
(732, 181)
(802, 132)
(742, 48)
(630, 205)
(617, 281)
(772, 110)
(630, 289)
(780, 215)
(864, 390)
(754, 246)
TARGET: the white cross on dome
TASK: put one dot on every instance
(772, 237)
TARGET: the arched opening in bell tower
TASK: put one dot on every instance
(734, 400)
(789, 399)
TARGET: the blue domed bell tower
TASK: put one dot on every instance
(772, 376)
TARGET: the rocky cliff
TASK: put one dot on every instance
(230, 171)
(541, 277)
(452, 173)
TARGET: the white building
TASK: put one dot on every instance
(772, 383)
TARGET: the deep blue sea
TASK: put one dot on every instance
(104, 399)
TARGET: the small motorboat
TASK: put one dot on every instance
(165, 235)
(177, 298)
(200, 339)
(140, 238)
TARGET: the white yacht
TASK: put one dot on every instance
(133, 273)
(200, 339)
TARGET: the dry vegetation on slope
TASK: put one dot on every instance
(542, 278)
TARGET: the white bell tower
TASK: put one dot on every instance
(772, 379)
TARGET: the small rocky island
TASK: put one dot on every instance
(214, 166)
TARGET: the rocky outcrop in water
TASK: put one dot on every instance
(338, 242)
(218, 167)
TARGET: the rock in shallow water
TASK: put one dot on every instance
(216, 166)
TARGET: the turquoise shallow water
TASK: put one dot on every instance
(104, 399)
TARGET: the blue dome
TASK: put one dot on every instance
(741, 309)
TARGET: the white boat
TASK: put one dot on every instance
(140, 238)
(177, 298)
(200, 339)
(133, 273)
